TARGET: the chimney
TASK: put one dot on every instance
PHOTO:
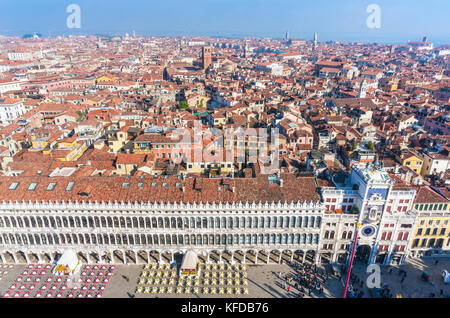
(182, 188)
(233, 189)
(281, 183)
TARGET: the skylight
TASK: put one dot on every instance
(32, 186)
(13, 186)
(51, 186)
(70, 186)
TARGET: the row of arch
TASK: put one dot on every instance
(253, 256)
(157, 239)
(160, 222)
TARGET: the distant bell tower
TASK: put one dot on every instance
(315, 42)
(206, 57)
(362, 89)
(245, 50)
(287, 36)
(425, 39)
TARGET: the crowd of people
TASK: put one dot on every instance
(306, 280)
(355, 287)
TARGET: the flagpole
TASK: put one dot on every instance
(351, 259)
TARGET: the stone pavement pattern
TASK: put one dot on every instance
(413, 286)
(263, 281)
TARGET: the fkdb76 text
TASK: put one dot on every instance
(246, 307)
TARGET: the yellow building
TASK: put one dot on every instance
(389, 84)
(411, 160)
(68, 149)
(128, 163)
(432, 230)
(121, 139)
(105, 79)
(218, 164)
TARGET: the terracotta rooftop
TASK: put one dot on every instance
(160, 189)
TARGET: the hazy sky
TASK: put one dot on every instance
(344, 20)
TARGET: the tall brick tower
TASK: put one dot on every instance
(206, 57)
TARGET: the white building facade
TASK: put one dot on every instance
(10, 110)
(133, 233)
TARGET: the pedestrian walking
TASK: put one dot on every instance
(390, 270)
(436, 262)
(441, 292)
(289, 289)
